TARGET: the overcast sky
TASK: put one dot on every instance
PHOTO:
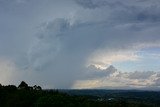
(109, 44)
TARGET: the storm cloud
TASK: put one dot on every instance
(76, 43)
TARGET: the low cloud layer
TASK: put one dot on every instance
(111, 78)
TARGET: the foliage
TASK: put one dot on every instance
(27, 96)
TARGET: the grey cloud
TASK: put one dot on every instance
(125, 11)
(92, 4)
(156, 80)
(57, 53)
(140, 75)
(156, 83)
(135, 14)
(53, 30)
(61, 48)
(92, 72)
(95, 4)
(149, 14)
(145, 80)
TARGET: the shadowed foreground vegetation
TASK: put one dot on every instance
(27, 96)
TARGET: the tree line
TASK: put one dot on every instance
(33, 96)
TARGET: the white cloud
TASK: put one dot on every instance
(9, 73)
(102, 59)
(118, 79)
(6, 70)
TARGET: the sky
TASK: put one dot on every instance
(80, 44)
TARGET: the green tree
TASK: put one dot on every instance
(23, 85)
(35, 87)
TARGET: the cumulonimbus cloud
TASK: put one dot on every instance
(61, 49)
(97, 34)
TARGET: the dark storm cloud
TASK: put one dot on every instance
(92, 4)
(126, 10)
(60, 51)
(74, 34)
